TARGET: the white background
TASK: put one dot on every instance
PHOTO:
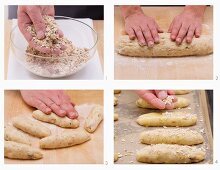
(109, 84)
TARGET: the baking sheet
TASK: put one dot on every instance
(127, 131)
(89, 152)
(92, 71)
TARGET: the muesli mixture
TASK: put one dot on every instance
(53, 65)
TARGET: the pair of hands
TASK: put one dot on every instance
(50, 101)
(156, 97)
(33, 14)
(145, 29)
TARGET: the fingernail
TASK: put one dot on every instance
(157, 40)
(142, 43)
(72, 115)
(62, 113)
(162, 95)
(48, 110)
(173, 37)
(40, 35)
(150, 44)
(178, 40)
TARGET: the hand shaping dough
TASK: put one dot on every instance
(181, 103)
(52, 118)
(64, 139)
(31, 127)
(167, 119)
(94, 119)
(115, 101)
(180, 92)
(115, 116)
(117, 91)
(14, 150)
(170, 154)
(171, 136)
(12, 134)
(166, 47)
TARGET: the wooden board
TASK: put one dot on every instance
(127, 131)
(175, 68)
(90, 152)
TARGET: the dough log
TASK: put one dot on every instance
(94, 119)
(180, 92)
(115, 101)
(166, 47)
(12, 134)
(31, 127)
(117, 91)
(115, 116)
(170, 154)
(181, 103)
(64, 139)
(167, 119)
(14, 150)
(171, 136)
(52, 118)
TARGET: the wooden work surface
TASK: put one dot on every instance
(127, 131)
(175, 68)
(98, 26)
(90, 152)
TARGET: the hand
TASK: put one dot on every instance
(187, 24)
(33, 14)
(143, 27)
(155, 97)
(50, 101)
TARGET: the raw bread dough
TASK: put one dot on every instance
(14, 150)
(64, 139)
(117, 91)
(31, 127)
(52, 118)
(180, 92)
(181, 103)
(115, 101)
(115, 157)
(167, 119)
(166, 48)
(13, 134)
(94, 118)
(170, 154)
(171, 136)
(115, 116)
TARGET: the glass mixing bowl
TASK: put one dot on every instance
(82, 36)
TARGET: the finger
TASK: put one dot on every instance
(55, 98)
(182, 33)
(130, 33)
(154, 33)
(170, 27)
(60, 33)
(38, 23)
(169, 106)
(161, 94)
(160, 30)
(174, 98)
(56, 51)
(39, 48)
(140, 36)
(175, 30)
(148, 37)
(71, 112)
(190, 34)
(198, 31)
(42, 107)
(151, 98)
(171, 92)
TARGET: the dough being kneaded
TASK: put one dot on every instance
(181, 103)
(52, 118)
(170, 154)
(171, 136)
(166, 48)
(64, 139)
(171, 119)
(14, 150)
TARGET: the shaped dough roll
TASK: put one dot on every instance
(181, 103)
(115, 116)
(64, 139)
(115, 101)
(94, 119)
(31, 127)
(170, 154)
(12, 134)
(171, 136)
(167, 119)
(14, 150)
(166, 47)
(180, 92)
(52, 118)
